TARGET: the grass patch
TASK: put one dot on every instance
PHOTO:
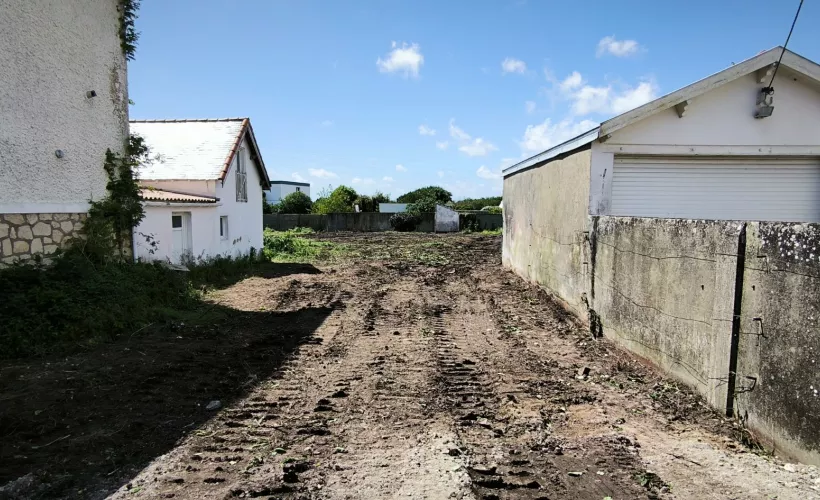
(492, 232)
(290, 246)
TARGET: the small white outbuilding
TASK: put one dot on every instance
(202, 189)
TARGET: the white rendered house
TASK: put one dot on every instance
(202, 189)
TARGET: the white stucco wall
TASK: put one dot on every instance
(51, 53)
(244, 218)
(725, 117)
(716, 124)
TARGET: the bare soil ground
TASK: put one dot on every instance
(416, 368)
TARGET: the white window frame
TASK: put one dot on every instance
(223, 227)
(241, 177)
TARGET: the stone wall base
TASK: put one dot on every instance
(25, 235)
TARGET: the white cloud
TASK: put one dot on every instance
(617, 48)
(298, 178)
(588, 99)
(440, 174)
(322, 173)
(387, 179)
(367, 181)
(401, 168)
(572, 82)
(405, 59)
(486, 173)
(425, 130)
(530, 107)
(442, 145)
(632, 98)
(468, 145)
(479, 147)
(541, 137)
(327, 123)
(510, 65)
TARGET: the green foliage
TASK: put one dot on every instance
(439, 195)
(339, 200)
(294, 203)
(404, 222)
(76, 302)
(380, 197)
(468, 223)
(128, 31)
(365, 203)
(288, 246)
(477, 203)
(423, 205)
(108, 229)
(492, 210)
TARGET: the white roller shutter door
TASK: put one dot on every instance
(736, 188)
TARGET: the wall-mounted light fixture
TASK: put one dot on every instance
(91, 94)
(59, 153)
(765, 103)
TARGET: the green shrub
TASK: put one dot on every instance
(468, 223)
(404, 222)
(423, 205)
(339, 200)
(439, 195)
(294, 203)
(289, 246)
(75, 302)
(492, 210)
(477, 203)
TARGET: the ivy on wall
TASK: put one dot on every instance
(111, 220)
(128, 32)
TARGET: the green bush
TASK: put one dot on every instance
(492, 210)
(437, 194)
(423, 205)
(339, 200)
(468, 223)
(289, 246)
(75, 302)
(477, 203)
(294, 203)
(404, 222)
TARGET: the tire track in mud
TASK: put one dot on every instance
(505, 408)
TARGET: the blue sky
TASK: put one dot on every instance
(395, 95)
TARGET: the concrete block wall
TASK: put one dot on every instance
(778, 367)
(365, 222)
(545, 218)
(664, 289)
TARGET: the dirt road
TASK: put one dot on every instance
(418, 368)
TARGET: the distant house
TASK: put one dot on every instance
(280, 189)
(202, 189)
(64, 103)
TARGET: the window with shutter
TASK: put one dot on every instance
(241, 177)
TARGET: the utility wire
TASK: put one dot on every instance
(786, 44)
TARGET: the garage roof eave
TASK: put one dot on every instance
(565, 147)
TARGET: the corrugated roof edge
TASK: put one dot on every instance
(565, 147)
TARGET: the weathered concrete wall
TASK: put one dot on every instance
(664, 288)
(781, 287)
(545, 216)
(446, 220)
(364, 222)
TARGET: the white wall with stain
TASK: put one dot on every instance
(51, 53)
